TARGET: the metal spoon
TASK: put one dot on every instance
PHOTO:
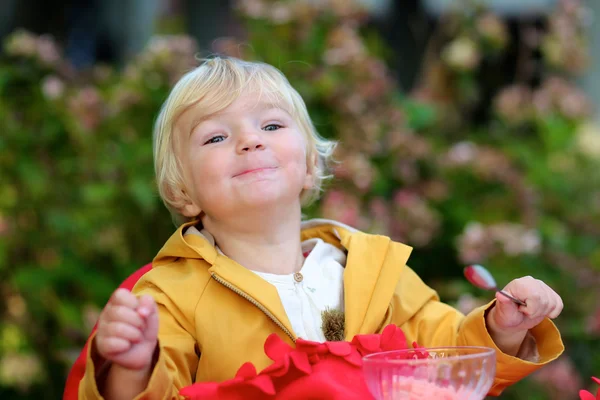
(483, 279)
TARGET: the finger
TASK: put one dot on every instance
(552, 302)
(557, 308)
(520, 288)
(111, 346)
(542, 300)
(124, 314)
(524, 290)
(147, 306)
(506, 309)
(530, 307)
(123, 331)
(123, 297)
(552, 299)
(505, 302)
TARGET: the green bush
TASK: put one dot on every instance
(472, 166)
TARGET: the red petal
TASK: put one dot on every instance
(393, 338)
(596, 380)
(262, 383)
(388, 332)
(303, 345)
(339, 348)
(311, 348)
(300, 361)
(585, 395)
(354, 358)
(200, 390)
(422, 353)
(248, 370)
(275, 347)
(313, 358)
(278, 368)
(367, 343)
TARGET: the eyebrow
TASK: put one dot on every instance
(261, 106)
(264, 106)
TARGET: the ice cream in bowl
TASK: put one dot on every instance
(448, 373)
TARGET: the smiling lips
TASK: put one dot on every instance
(254, 170)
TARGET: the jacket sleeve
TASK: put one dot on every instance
(177, 358)
(431, 323)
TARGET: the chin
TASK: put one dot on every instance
(269, 198)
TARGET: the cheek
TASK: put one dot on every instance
(206, 171)
(207, 165)
(208, 188)
(295, 153)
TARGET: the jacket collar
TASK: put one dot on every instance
(373, 268)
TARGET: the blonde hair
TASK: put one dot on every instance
(211, 87)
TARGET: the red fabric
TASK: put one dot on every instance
(311, 370)
(78, 369)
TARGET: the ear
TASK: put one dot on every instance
(189, 209)
(311, 169)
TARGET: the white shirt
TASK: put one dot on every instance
(321, 287)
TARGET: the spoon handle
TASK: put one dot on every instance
(519, 302)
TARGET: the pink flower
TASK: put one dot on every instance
(467, 303)
(560, 378)
(53, 87)
(342, 207)
(379, 216)
(588, 140)
(47, 50)
(479, 241)
(280, 13)
(252, 8)
(462, 54)
(593, 323)
(87, 108)
(556, 95)
(21, 43)
(20, 370)
(345, 45)
(462, 153)
(493, 30)
(513, 104)
(415, 221)
(357, 168)
(41, 48)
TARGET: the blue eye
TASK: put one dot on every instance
(215, 139)
(272, 127)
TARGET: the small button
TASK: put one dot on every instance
(298, 277)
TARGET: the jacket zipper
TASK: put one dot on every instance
(256, 303)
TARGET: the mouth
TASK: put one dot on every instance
(254, 171)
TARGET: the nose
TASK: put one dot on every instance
(250, 141)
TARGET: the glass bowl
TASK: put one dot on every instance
(442, 373)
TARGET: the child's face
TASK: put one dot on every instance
(250, 156)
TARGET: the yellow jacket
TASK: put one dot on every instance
(215, 314)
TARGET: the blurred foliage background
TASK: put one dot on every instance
(491, 157)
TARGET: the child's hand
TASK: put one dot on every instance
(541, 301)
(128, 330)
